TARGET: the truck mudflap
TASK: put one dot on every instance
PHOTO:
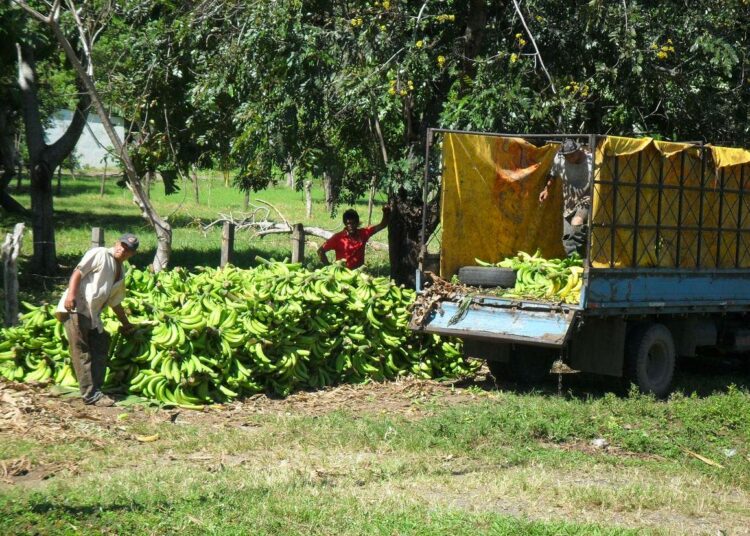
(523, 323)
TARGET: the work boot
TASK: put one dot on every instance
(102, 401)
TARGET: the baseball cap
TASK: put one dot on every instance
(130, 241)
(569, 146)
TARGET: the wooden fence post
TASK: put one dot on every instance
(298, 243)
(227, 243)
(97, 237)
(9, 253)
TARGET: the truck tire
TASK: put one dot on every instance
(499, 370)
(650, 359)
(487, 276)
(529, 365)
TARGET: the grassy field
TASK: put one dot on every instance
(420, 458)
(407, 457)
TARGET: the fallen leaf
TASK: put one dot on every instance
(703, 458)
(147, 438)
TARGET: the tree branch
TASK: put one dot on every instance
(31, 115)
(536, 48)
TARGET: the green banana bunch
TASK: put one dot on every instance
(537, 278)
(213, 335)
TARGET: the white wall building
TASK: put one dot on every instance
(93, 144)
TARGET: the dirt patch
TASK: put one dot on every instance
(407, 397)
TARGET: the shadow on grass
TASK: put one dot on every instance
(704, 377)
(61, 510)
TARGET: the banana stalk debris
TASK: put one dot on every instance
(218, 334)
(558, 280)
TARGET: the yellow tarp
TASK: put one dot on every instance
(490, 207)
(646, 220)
(729, 156)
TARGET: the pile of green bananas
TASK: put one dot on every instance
(36, 350)
(217, 334)
(556, 280)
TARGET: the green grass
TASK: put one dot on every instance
(502, 463)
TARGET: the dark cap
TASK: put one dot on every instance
(130, 241)
(569, 146)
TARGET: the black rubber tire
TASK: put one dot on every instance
(487, 276)
(530, 364)
(499, 370)
(650, 359)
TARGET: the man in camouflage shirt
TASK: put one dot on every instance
(573, 165)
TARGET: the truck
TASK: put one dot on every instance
(666, 270)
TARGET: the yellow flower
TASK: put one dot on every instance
(383, 28)
(402, 92)
(410, 84)
(519, 35)
(654, 46)
(513, 58)
(451, 18)
(441, 60)
(419, 44)
(392, 91)
(386, 4)
(522, 42)
(661, 55)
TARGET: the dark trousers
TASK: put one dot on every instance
(88, 353)
(574, 236)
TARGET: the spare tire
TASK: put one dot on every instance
(487, 276)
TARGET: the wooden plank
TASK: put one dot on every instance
(298, 243)
(11, 248)
(97, 237)
(227, 243)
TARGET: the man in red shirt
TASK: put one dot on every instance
(349, 244)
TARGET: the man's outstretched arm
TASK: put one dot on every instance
(386, 219)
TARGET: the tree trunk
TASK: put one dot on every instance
(371, 200)
(44, 259)
(43, 160)
(149, 180)
(330, 187)
(308, 198)
(196, 193)
(58, 189)
(85, 72)
(8, 163)
(104, 178)
(404, 232)
(291, 180)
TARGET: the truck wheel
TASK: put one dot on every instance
(487, 276)
(499, 370)
(530, 364)
(650, 359)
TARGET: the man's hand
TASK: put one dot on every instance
(70, 303)
(386, 211)
(543, 195)
(127, 328)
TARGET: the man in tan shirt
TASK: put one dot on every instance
(97, 282)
